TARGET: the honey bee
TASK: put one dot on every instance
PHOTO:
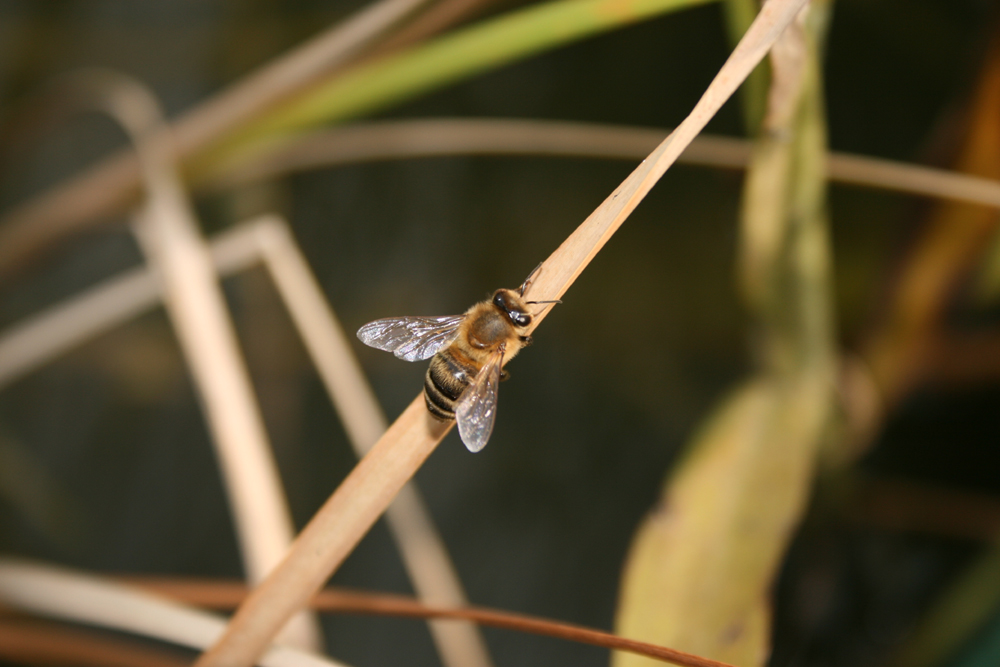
(468, 352)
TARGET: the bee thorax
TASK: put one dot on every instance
(488, 329)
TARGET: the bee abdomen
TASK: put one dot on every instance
(445, 381)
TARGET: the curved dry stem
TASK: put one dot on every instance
(54, 645)
(398, 606)
(225, 595)
(363, 496)
(395, 140)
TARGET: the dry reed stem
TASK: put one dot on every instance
(116, 180)
(394, 140)
(82, 598)
(363, 496)
(958, 620)
(34, 342)
(170, 239)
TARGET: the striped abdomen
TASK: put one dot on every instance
(446, 379)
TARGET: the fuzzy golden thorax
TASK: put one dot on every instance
(488, 324)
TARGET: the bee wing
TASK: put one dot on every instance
(476, 409)
(411, 338)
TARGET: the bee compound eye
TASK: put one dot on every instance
(522, 320)
(498, 300)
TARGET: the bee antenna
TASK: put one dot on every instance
(553, 301)
(527, 281)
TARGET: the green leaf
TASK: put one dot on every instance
(961, 617)
(448, 59)
(739, 15)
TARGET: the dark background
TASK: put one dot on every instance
(647, 341)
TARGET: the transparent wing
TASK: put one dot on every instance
(476, 409)
(411, 338)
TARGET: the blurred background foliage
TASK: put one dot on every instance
(105, 458)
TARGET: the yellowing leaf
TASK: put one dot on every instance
(699, 571)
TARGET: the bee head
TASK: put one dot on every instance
(512, 305)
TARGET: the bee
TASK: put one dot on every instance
(468, 352)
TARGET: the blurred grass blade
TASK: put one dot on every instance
(463, 53)
(45, 504)
(753, 93)
(985, 650)
(445, 60)
(438, 17)
(671, 583)
(957, 618)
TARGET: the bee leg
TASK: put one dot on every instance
(504, 375)
(526, 341)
